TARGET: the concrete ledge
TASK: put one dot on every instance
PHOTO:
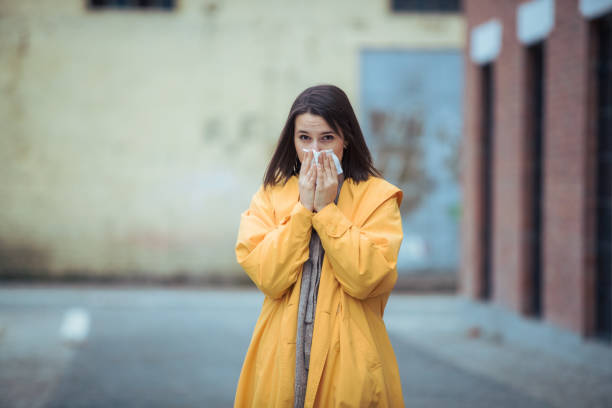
(421, 282)
(426, 282)
(497, 322)
(208, 280)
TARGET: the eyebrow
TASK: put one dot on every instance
(327, 132)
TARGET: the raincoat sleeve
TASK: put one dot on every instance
(363, 259)
(273, 254)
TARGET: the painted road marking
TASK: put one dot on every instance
(75, 326)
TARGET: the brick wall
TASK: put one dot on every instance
(566, 160)
(567, 274)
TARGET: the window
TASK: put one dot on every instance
(428, 6)
(132, 4)
(535, 174)
(486, 179)
(603, 279)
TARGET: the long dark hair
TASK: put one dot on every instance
(332, 104)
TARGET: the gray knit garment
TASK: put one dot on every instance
(311, 274)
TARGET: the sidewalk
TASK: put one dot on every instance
(546, 365)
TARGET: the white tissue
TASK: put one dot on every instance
(334, 157)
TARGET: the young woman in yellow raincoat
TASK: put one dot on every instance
(320, 240)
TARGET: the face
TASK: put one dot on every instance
(312, 132)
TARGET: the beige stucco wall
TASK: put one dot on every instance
(131, 141)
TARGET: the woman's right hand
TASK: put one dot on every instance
(307, 181)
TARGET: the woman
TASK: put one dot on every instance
(322, 246)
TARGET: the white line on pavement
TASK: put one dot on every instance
(75, 326)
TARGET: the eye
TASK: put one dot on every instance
(304, 137)
(328, 137)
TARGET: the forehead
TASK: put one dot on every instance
(311, 123)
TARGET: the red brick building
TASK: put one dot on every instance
(537, 225)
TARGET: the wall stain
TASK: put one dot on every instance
(15, 58)
(452, 161)
(15, 54)
(399, 139)
(210, 8)
(247, 127)
(216, 133)
(23, 260)
(359, 24)
(212, 130)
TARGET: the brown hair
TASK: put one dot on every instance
(332, 104)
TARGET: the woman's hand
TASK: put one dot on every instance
(307, 180)
(327, 182)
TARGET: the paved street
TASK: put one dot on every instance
(144, 347)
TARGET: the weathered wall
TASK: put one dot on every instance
(132, 141)
(411, 115)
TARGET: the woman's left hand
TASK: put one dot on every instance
(327, 182)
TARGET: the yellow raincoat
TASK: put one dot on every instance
(352, 363)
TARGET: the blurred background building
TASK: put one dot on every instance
(135, 132)
(538, 140)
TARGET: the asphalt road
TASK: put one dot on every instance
(144, 347)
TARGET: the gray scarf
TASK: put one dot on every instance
(311, 274)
